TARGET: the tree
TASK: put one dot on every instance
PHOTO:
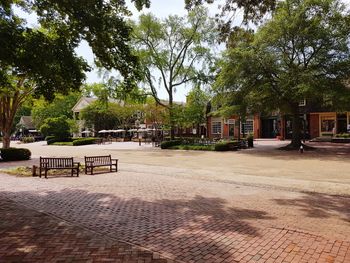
(301, 53)
(58, 127)
(196, 106)
(178, 48)
(60, 106)
(253, 11)
(100, 116)
(43, 59)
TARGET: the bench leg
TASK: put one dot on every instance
(45, 173)
(72, 172)
(40, 172)
(92, 170)
(78, 172)
(111, 168)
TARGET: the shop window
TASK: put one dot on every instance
(216, 127)
(247, 127)
(327, 124)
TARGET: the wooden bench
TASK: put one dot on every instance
(97, 161)
(49, 163)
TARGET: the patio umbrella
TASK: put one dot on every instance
(120, 130)
(132, 130)
(86, 132)
(103, 131)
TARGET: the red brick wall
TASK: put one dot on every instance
(314, 125)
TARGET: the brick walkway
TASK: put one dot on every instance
(30, 236)
(185, 220)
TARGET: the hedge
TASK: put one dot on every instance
(28, 139)
(194, 147)
(52, 139)
(84, 141)
(226, 146)
(15, 154)
(169, 144)
(343, 135)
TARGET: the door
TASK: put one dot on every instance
(267, 128)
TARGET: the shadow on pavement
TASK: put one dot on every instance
(182, 229)
(318, 205)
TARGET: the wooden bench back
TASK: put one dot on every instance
(51, 162)
(99, 160)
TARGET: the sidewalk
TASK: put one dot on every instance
(30, 236)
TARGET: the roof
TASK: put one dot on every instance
(83, 102)
(27, 122)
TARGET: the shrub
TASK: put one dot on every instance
(343, 135)
(28, 139)
(194, 147)
(15, 154)
(84, 141)
(250, 141)
(169, 144)
(226, 146)
(49, 138)
(57, 127)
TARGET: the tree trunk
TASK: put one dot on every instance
(296, 136)
(6, 139)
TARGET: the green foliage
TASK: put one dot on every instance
(27, 139)
(169, 144)
(253, 11)
(343, 135)
(226, 146)
(194, 147)
(178, 50)
(57, 127)
(61, 106)
(15, 154)
(84, 141)
(109, 116)
(42, 59)
(302, 52)
(250, 140)
(196, 105)
(62, 143)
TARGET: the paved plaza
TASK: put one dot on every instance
(259, 205)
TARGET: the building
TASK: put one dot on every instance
(316, 122)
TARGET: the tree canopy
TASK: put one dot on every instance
(302, 52)
(42, 59)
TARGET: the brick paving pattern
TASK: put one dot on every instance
(189, 220)
(30, 236)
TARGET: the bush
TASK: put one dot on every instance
(343, 135)
(84, 141)
(52, 140)
(169, 144)
(15, 154)
(28, 139)
(250, 141)
(226, 146)
(194, 147)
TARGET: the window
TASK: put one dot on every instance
(216, 127)
(247, 127)
(302, 102)
(327, 124)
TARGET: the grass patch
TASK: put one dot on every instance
(193, 147)
(18, 171)
(62, 143)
